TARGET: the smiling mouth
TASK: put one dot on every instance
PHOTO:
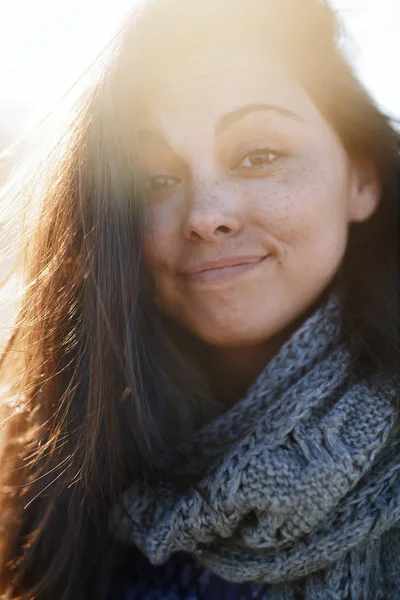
(220, 273)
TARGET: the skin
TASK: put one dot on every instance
(252, 183)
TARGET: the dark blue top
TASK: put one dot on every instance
(180, 578)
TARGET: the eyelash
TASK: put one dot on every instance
(259, 152)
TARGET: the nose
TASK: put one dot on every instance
(213, 211)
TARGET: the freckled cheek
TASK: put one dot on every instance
(303, 211)
(283, 208)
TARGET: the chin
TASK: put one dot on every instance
(220, 337)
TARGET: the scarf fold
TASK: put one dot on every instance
(302, 483)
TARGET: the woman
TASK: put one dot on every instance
(207, 403)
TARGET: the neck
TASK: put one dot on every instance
(232, 370)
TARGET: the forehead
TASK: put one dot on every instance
(215, 81)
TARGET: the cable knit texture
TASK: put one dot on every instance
(302, 483)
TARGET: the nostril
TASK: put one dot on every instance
(205, 228)
(195, 235)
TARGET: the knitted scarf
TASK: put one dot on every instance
(302, 483)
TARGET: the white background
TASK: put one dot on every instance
(46, 44)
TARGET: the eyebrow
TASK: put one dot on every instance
(234, 116)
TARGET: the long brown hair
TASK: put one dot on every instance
(99, 393)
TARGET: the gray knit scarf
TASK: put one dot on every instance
(302, 490)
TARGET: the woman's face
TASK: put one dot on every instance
(250, 196)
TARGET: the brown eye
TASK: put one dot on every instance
(160, 182)
(258, 159)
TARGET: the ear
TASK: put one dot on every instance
(366, 190)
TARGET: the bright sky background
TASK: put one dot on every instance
(46, 44)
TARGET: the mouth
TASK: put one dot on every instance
(224, 268)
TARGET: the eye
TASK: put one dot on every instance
(256, 159)
(161, 182)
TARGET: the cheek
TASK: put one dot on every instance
(305, 208)
(162, 253)
(161, 237)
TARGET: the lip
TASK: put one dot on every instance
(223, 268)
